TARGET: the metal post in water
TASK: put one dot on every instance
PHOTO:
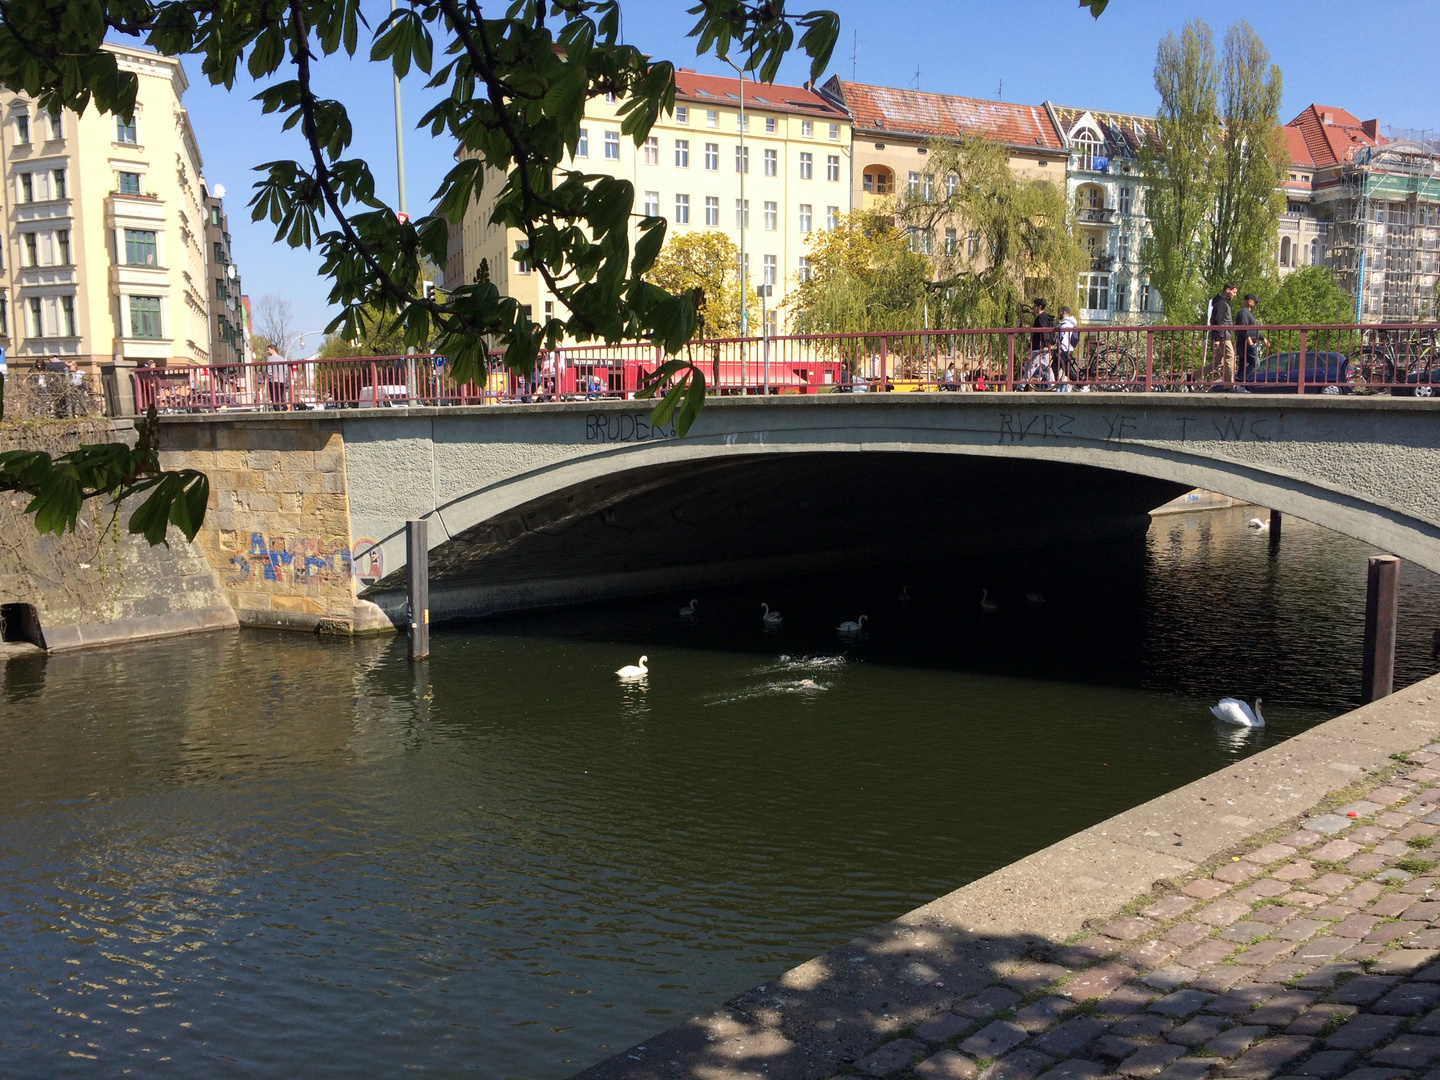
(1382, 591)
(417, 587)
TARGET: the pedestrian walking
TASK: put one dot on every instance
(1040, 344)
(277, 378)
(1250, 343)
(1067, 339)
(1222, 345)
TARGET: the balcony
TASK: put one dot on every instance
(1089, 215)
(1102, 263)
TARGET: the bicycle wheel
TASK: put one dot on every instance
(1116, 368)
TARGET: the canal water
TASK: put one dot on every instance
(255, 855)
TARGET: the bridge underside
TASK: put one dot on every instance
(699, 523)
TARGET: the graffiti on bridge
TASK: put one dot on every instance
(306, 561)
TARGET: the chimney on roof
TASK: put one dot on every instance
(1372, 128)
(1327, 118)
(688, 71)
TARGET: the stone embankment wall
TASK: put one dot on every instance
(278, 529)
(100, 585)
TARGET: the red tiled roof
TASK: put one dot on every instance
(1299, 152)
(1332, 135)
(724, 90)
(917, 112)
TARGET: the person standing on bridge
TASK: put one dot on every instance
(1249, 342)
(1222, 345)
(277, 375)
(1040, 343)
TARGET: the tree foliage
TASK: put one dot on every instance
(863, 277)
(1212, 172)
(1308, 296)
(1023, 231)
(708, 262)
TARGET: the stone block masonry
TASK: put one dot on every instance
(278, 528)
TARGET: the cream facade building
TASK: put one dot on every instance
(104, 258)
(768, 184)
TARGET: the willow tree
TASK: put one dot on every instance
(863, 277)
(1179, 185)
(1013, 238)
(1251, 164)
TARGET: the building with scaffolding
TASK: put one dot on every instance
(1375, 199)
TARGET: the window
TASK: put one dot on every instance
(1285, 251)
(125, 133)
(32, 249)
(1122, 296)
(610, 98)
(952, 184)
(1124, 254)
(876, 181)
(834, 132)
(712, 210)
(549, 310)
(522, 264)
(682, 209)
(682, 114)
(219, 253)
(1096, 291)
(914, 185)
(1145, 297)
(652, 151)
(805, 215)
(22, 129)
(57, 126)
(215, 216)
(832, 218)
(140, 247)
(804, 271)
(59, 189)
(612, 146)
(652, 204)
(682, 153)
(807, 165)
(929, 186)
(807, 129)
(832, 167)
(220, 288)
(972, 243)
(37, 325)
(769, 125)
(742, 159)
(62, 247)
(712, 118)
(67, 316)
(1314, 252)
(1126, 200)
(129, 183)
(145, 316)
(742, 122)
(1087, 149)
(952, 243)
(582, 145)
(772, 216)
(742, 214)
(27, 187)
(4, 316)
(770, 270)
(712, 157)
(772, 162)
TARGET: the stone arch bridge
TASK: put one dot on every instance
(536, 505)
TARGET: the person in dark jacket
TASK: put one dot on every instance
(1222, 345)
(1040, 343)
(1249, 343)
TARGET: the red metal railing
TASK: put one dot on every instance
(1399, 360)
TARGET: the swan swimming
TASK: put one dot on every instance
(634, 671)
(1234, 711)
(848, 627)
(689, 609)
(1035, 597)
(770, 618)
(810, 684)
(1256, 523)
(986, 604)
(904, 592)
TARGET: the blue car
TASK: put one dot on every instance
(1279, 373)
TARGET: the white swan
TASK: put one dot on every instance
(904, 592)
(1256, 523)
(770, 618)
(1035, 597)
(1234, 711)
(810, 684)
(848, 627)
(634, 671)
(689, 609)
(986, 604)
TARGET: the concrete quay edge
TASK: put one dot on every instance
(814, 1019)
(138, 628)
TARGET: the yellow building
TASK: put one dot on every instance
(104, 258)
(767, 184)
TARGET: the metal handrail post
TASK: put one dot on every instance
(1300, 376)
(1010, 360)
(1149, 360)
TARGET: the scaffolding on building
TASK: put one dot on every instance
(1385, 240)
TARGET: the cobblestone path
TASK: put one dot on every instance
(1316, 955)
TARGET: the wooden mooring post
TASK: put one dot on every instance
(417, 587)
(1382, 592)
(1276, 522)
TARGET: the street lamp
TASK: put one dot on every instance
(763, 291)
(742, 216)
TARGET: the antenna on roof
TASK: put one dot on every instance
(917, 76)
(854, 54)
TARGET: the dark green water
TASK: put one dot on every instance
(257, 855)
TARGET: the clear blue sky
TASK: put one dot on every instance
(1373, 57)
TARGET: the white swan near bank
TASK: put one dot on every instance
(1234, 711)
(770, 618)
(986, 604)
(689, 609)
(904, 592)
(634, 671)
(1035, 597)
(1256, 523)
(848, 627)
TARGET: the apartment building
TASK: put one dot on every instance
(1109, 196)
(765, 163)
(230, 327)
(103, 259)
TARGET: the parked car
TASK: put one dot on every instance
(1279, 373)
(1419, 383)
